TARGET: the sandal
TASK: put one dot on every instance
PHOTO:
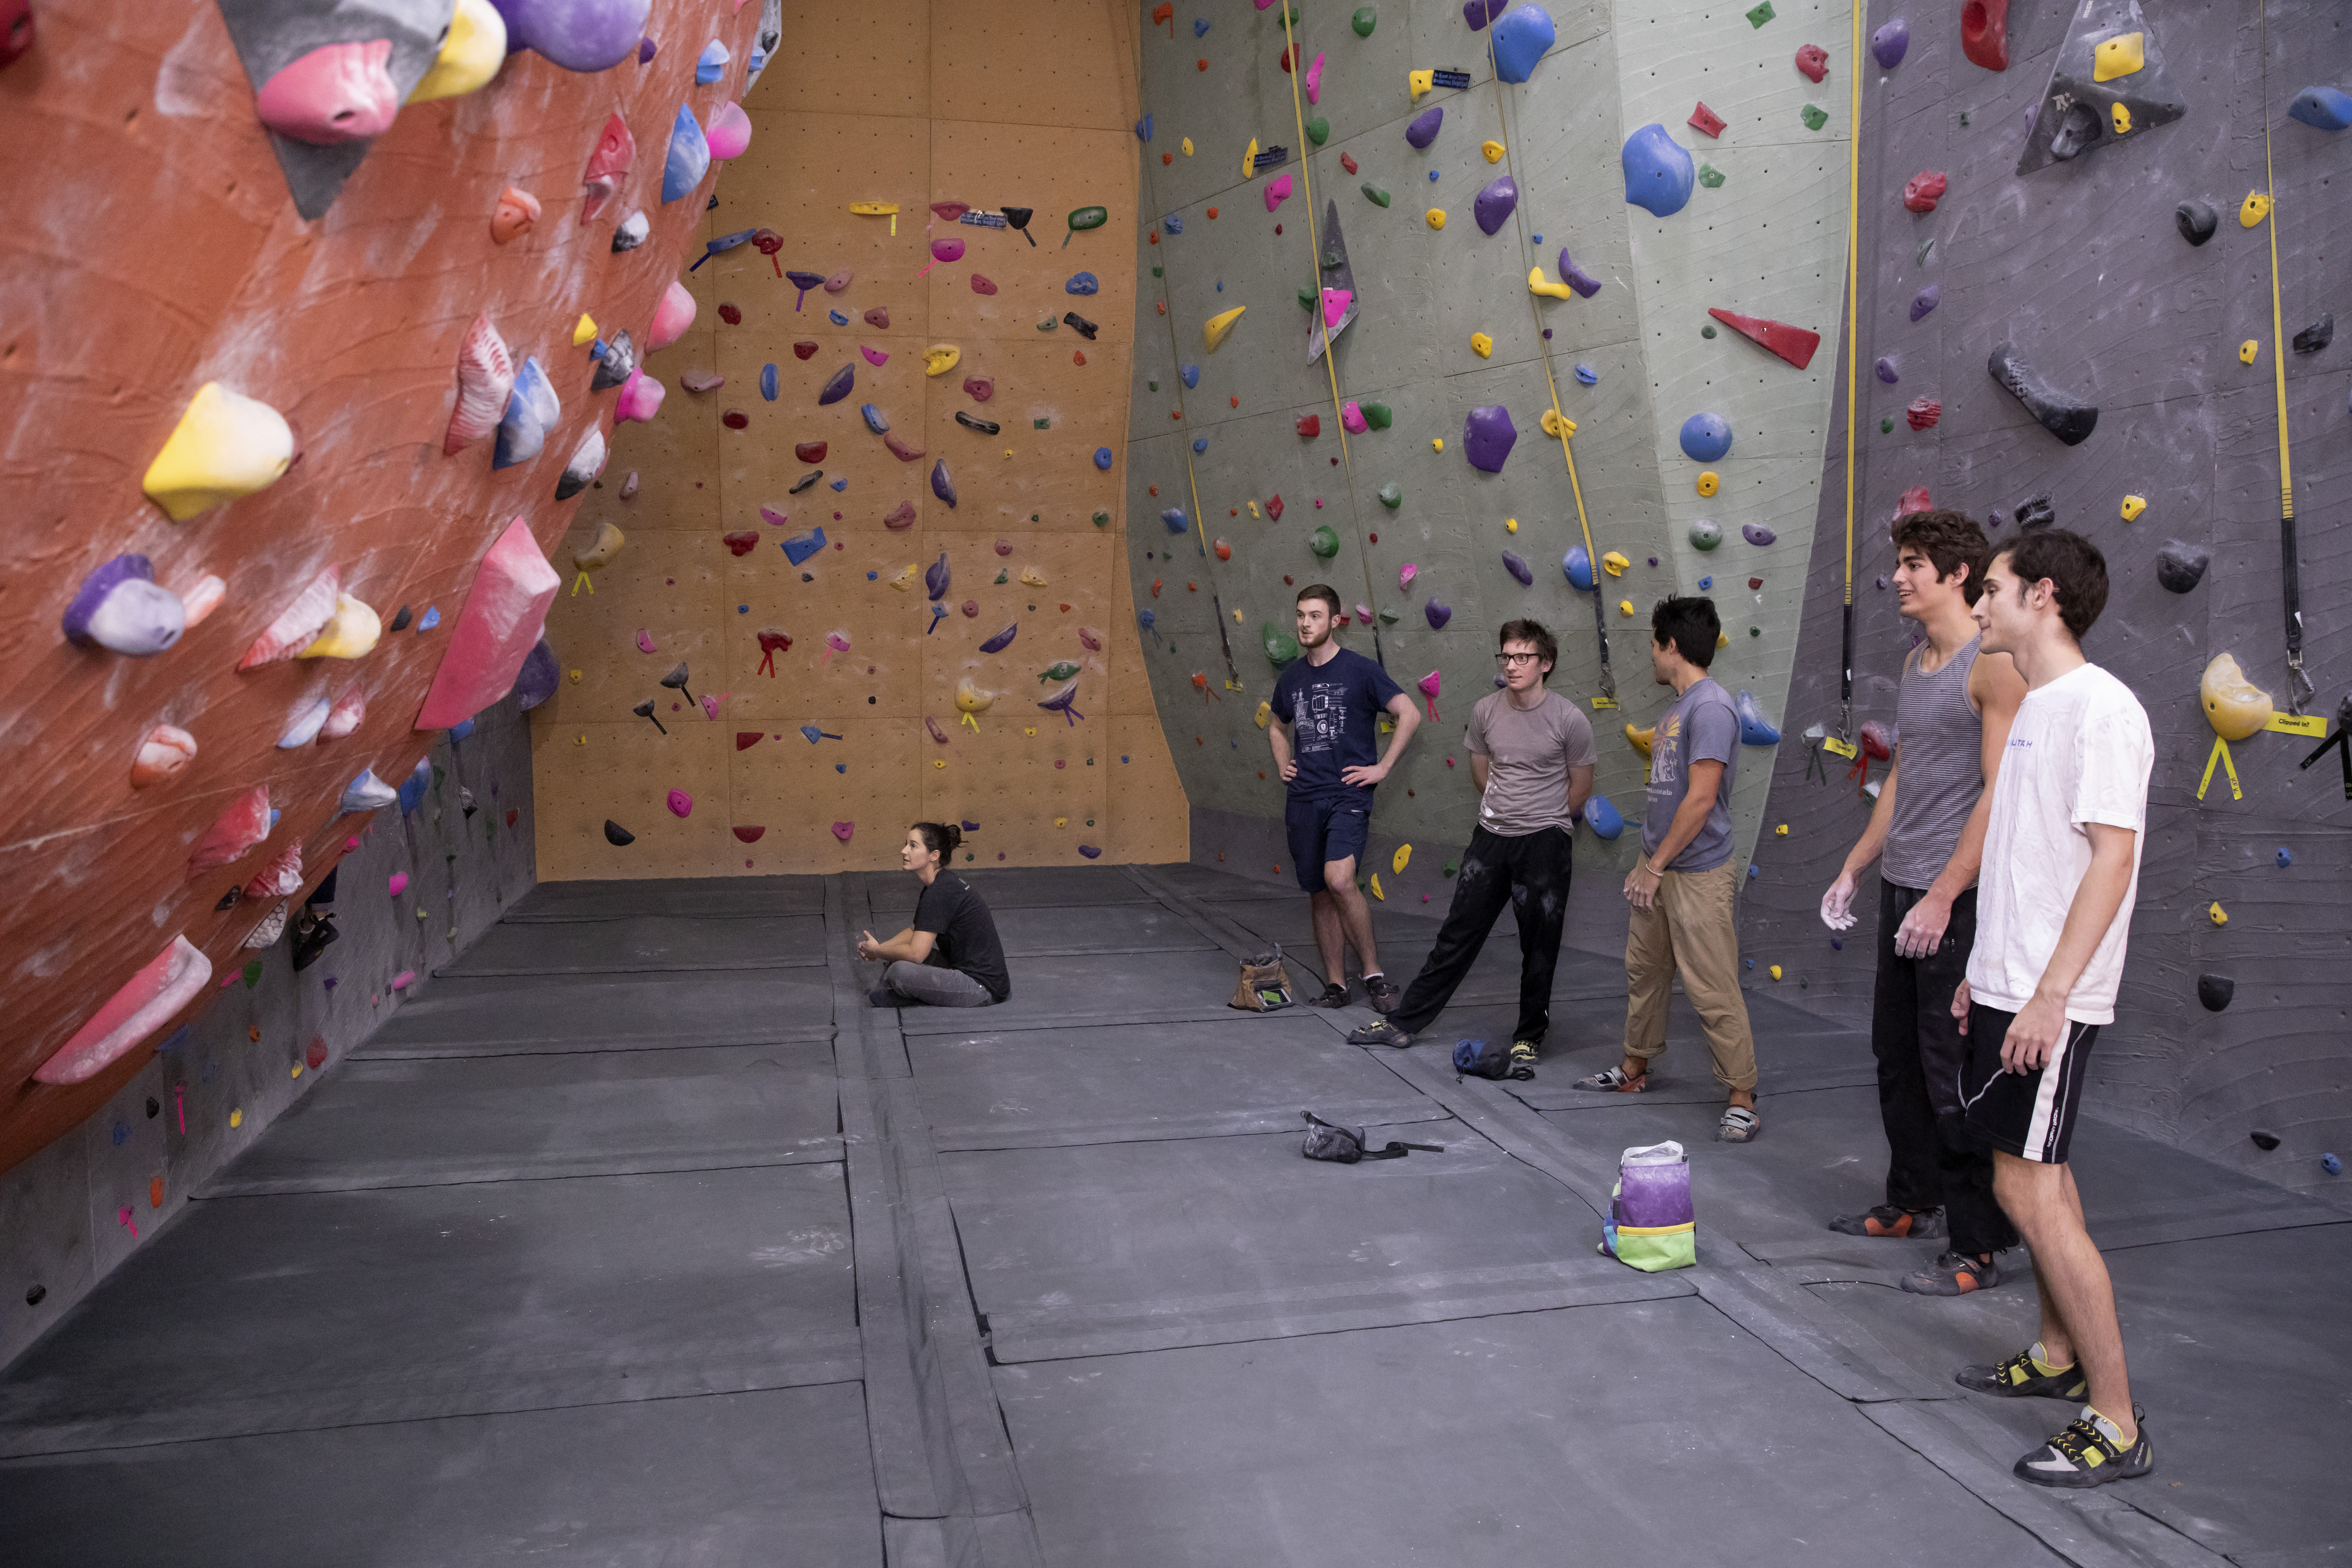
(1615, 1081)
(1740, 1125)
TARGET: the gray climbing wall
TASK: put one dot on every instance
(1766, 241)
(2081, 266)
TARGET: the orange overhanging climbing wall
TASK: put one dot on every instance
(986, 102)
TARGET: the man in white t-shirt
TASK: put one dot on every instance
(2053, 908)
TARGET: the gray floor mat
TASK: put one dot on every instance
(1121, 1082)
(277, 1313)
(714, 897)
(1055, 993)
(1034, 887)
(383, 1123)
(1648, 1433)
(1787, 1062)
(780, 1476)
(494, 1017)
(1096, 928)
(1128, 1247)
(666, 943)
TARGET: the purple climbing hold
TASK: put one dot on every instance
(1487, 435)
(1517, 567)
(941, 485)
(1927, 300)
(1003, 639)
(1091, 851)
(120, 607)
(1439, 612)
(1495, 203)
(536, 681)
(838, 387)
(936, 577)
(1583, 283)
(1887, 371)
(1479, 13)
(1890, 44)
(1756, 533)
(578, 35)
(1424, 129)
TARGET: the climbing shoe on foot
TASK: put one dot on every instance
(1333, 996)
(1523, 1059)
(311, 936)
(1615, 1080)
(1954, 1274)
(2090, 1452)
(2023, 1376)
(1380, 1033)
(1885, 1219)
(1385, 996)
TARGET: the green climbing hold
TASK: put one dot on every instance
(1089, 217)
(1306, 298)
(1814, 118)
(1281, 647)
(1887, 427)
(1323, 542)
(253, 968)
(1062, 671)
(1709, 175)
(1762, 14)
(1318, 131)
(1755, 631)
(1041, 423)
(1367, 17)
(1388, 618)
(1377, 197)
(1705, 535)
(1159, 272)
(1102, 519)
(1002, 578)
(1392, 495)
(1377, 416)
(1708, 331)
(1452, 866)
(1153, 385)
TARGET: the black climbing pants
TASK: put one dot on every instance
(1932, 1161)
(1530, 873)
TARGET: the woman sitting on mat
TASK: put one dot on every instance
(950, 956)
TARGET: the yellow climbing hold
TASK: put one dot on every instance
(1614, 563)
(1435, 217)
(1782, 831)
(1493, 150)
(236, 1117)
(2119, 56)
(970, 700)
(1398, 861)
(941, 358)
(584, 331)
(1538, 284)
(1709, 482)
(2132, 506)
(1061, 822)
(2253, 209)
(1510, 525)
(1034, 578)
(874, 209)
(1419, 82)
(471, 53)
(2217, 914)
(1188, 146)
(225, 446)
(576, 675)
(2122, 118)
(1249, 158)
(349, 632)
(2250, 351)
(2234, 706)
(1556, 424)
(1376, 889)
(1625, 608)
(1481, 345)
(1264, 714)
(906, 579)
(1722, 639)
(1640, 738)
(1220, 324)
(1437, 443)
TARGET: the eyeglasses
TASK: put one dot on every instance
(1505, 661)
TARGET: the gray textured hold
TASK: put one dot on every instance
(2317, 335)
(2069, 420)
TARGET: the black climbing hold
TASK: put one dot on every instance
(646, 710)
(34, 1296)
(400, 621)
(2265, 1142)
(2215, 991)
(2036, 512)
(2078, 131)
(2065, 418)
(228, 900)
(2196, 220)
(2317, 335)
(154, 1108)
(805, 480)
(2181, 567)
(619, 361)
(1086, 329)
(616, 835)
(985, 427)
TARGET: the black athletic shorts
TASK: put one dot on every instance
(2031, 1115)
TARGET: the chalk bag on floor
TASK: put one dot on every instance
(1347, 1145)
(1264, 985)
(1650, 1225)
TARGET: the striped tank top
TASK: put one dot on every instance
(1942, 769)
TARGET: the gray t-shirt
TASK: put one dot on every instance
(1701, 727)
(1528, 752)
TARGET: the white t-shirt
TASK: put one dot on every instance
(2079, 752)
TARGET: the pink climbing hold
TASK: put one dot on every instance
(1916, 499)
(144, 1003)
(1277, 190)
(1334, 309)
(842, 830)
(486, 375)
(1351, 417)
(505, 610)
(242, 825)
(615, 152)
(1314, 80)
(680, 803)
(339, 92)
(1429, 684)
(874, 357)
(345, 715)
(402, 981)
(728, 132)
(644, 640)
(640, 400)
(1406, 573)
(280, 878)
(982, 286)
(671, 316)
(948, 250)
(398, 884)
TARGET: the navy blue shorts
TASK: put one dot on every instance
(1323, 830)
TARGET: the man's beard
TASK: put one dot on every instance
(1308, 642)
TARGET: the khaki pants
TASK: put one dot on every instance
(1689, 927)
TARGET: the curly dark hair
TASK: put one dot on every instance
(1949, 539)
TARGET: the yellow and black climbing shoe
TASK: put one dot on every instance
(2090, 1452)
(2024, 1375)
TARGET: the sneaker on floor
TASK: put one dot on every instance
(2090, 1452)
(1386, 998)
(311, 936)
(2020, 1377)
(1885, 1219)
(1954, 1274)
(1333, 996)
(1380, 1033)
(1523, 1059)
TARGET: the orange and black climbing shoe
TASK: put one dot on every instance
(1955, 1274)
(2025, 1375)
(1887, 1220)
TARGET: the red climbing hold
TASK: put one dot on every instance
(730, 313)
(749, 835)
(747, 739)
(735, 419)
(1706, 119)
(804, 350)
(1347, 162)
(741, 544)
(1155, 586)
(810, 451)
(1916, 499)
(1984, 33)
(1311, 426)
(1923, 190)
(1813, 61)
(1923, 413)
(1274, 509)
(1163, 12)
(1791, 343)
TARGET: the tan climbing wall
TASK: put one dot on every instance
(910, 103)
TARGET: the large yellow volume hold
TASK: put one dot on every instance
(1217, 326)
(471, 53)
(2119, 56)
(349, 632)
(225, 446)
(2234, 706)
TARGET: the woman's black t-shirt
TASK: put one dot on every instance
(965, 933)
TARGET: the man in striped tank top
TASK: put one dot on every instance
(1952, 717)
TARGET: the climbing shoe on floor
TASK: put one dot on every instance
(2090, 1452)
(2021, 1377)
(1954, 1274)
(312, 935)
(1885, 1219)
(1380, 1033)
(1385, 996)
(1333, 996)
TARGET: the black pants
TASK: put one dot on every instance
(1933, 1160)
(1530, 873)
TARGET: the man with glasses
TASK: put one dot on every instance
(1531, 756)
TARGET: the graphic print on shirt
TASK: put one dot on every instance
(1665, 753)
(1321, 722)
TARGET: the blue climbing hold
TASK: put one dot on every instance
(713, 61)
(1102, 457)
(1658, 172)
(1143, 129)
(2322, 108)
(1433, 176)
(768, 382)
(2284, 859)
(1083, 283)
(1424, 129)
(461, 729)
(2331, 1165)
(689, 157)
(1705, 583)
(1200, 444)
(431, 618)
(1602, 818)
(1173, 223)
(1199, 27)
(1146, 619)
(837, 317)
(1192, 374)
(1578, 566)
(880, 426)
(1754, 729)
(413, 787)
(1588, 375)
(1706, 438)
(1175, 519)
(1521, 40)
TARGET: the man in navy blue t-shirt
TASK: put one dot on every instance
(1327, 707)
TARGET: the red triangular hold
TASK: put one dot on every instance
(750, 835)
(747, 739)
(1791, 343)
